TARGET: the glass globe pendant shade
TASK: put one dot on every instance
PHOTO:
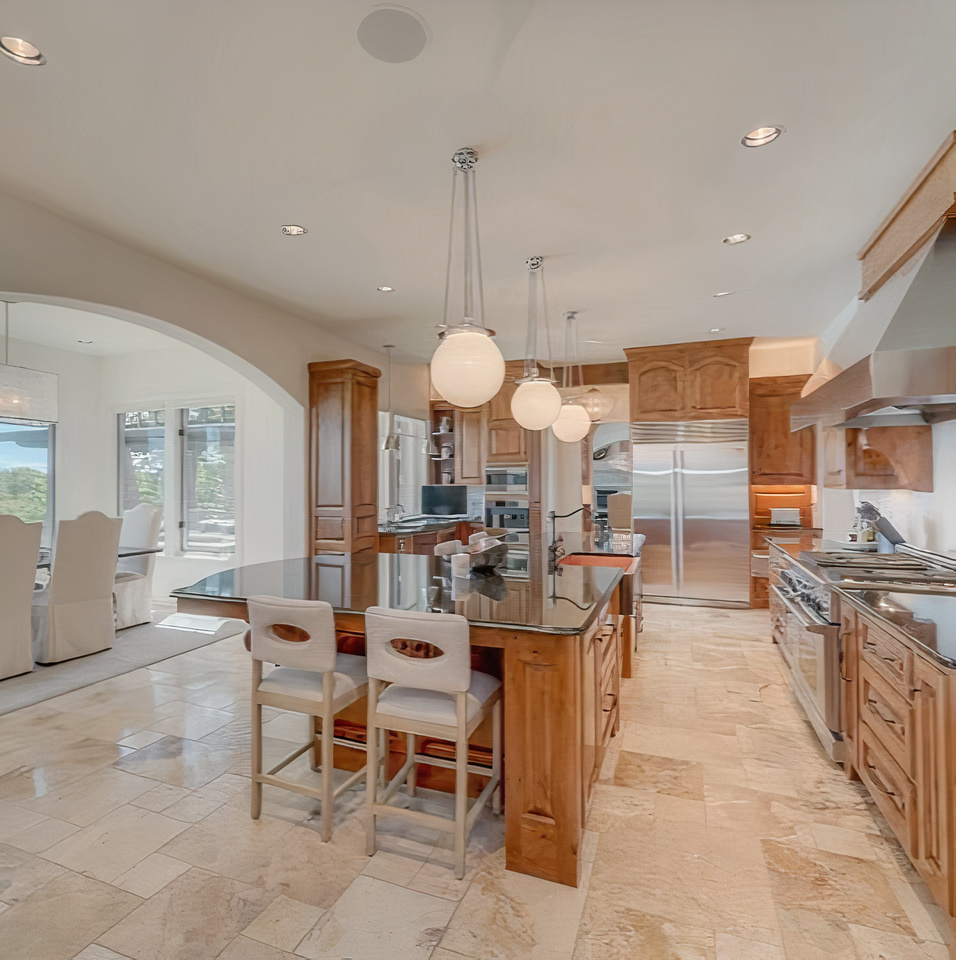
(573, 423)
(536, 404)
(467, 368)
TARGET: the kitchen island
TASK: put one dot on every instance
(553, 638)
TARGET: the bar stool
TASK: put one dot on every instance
(425, 659)
(314, 679)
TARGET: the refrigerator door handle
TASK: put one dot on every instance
(675, 525)
(679, 511)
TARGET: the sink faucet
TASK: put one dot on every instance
(553, 556)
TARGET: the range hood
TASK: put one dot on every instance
(910, 378)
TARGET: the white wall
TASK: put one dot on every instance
(271, 516)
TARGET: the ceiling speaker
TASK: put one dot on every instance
(392, 35)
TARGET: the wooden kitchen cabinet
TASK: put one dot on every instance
(343, 441)
(778, 456)
(879, 458)
(507, 442)
(849, 689)
(471, 445)
(601, 684)
(690, 381)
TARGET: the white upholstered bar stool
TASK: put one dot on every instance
(19, 550)
(313, 679)
(425, 659)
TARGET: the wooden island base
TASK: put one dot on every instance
(561, 695)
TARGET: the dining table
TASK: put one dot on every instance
(538, 633)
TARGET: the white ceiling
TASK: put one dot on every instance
(608, 133)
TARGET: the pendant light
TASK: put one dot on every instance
(536, 403)
(391, 438)
(25, 394)
(467, 368)
(573, 422)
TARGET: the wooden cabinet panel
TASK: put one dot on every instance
(343, 424)
(879, 458)
(778, 456)
(689, 381)
(931, 761)
(506, 442)
(470, 445)
(893, 792)
(849, 688)
(888, 657)
(887, 714)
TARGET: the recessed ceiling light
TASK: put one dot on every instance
(724, 293)
(716, 329)
(22, 51)
(762, 136)
(737, 238)
(385, 289)
(84, 341)
(293, 230)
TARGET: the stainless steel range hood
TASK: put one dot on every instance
(910, 378)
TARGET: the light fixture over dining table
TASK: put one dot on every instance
(467, 368)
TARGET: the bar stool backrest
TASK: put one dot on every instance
(294, 633)
(443, 636)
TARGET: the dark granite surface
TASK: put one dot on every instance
(564, 603)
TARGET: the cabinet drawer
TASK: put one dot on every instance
(888, 657)
(887, 714)
(893, 791)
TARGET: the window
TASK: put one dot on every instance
(402, 472)
(142, 449)
(26, 472)
(195, 447)
(209, 488)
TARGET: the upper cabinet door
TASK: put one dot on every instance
(776, 454)
(657, 390)
(716, 388)
(470, 449)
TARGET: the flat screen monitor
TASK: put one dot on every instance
(445, 499)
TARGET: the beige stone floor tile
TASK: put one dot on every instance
(730, 947)
(851, 843)
(811, 935)
(192, 809)
(142, 739)
(95, 952)
(160, 797)
(620, 932)
(242, 948)
(22, 873)
(191, 722)
(54, 765)
(195, 916)
(504, 913)
(402, 924)
(819, 881)
(182, 763)
(85, 801)
(275, 855)
(41, 836)
(114, 844)
(283, 923)
(929, 920)
(392, 867)
(679, 809)
(678, 744)
(882, 945)
(15, 819)
(678, 778)
(62, 917)
(151, 874)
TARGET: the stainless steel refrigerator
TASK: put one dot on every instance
(691, 501)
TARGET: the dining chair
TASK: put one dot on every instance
(425, 660)
(133, 582)
(19, 551)
(314, 679)
(73, 614)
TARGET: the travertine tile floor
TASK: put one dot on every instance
(719, 831)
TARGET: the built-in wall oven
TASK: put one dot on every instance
(810, 644)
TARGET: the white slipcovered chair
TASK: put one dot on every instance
(313, 679)
(19, 550)
(73, 615)
(425, 658)
(133, 584)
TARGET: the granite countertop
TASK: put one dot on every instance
(584, 543)
(794, 541)
(422, 525)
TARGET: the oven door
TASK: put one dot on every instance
(811, 647)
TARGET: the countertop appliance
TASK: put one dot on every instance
(691, 500)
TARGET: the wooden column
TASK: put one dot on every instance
(343, 456)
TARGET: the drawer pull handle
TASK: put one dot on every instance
(878, 781)
(874, 707)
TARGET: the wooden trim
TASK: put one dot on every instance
(912, 222)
